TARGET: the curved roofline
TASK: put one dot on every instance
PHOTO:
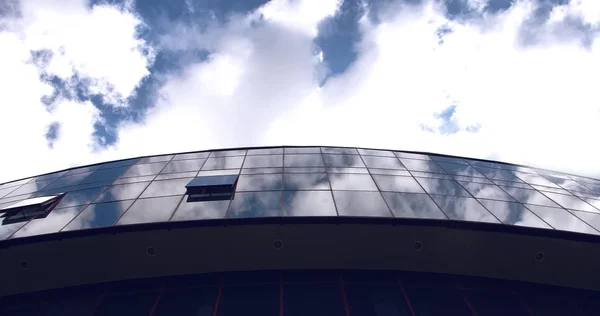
(288, 146)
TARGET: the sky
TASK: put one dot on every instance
(90, 81)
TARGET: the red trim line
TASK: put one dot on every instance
(406, 298)
(162, 290)
(524, 305)
(468, 303)
(218, 297)
(344, 296)
(97, 304)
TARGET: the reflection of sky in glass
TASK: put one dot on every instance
(105, 174)
(360, 204)
(421, 165)
(441, 186)
(342, 151)
(261, 182)
(166, 187)
(150, 210)
(67, 181)
(498, 174)
(512, 184)
(262, 170)
(188, 211)
(370, 152)
(227, 153)
(549, 189)
(419, 174)
(412, 205)
(348, 170)
(183, 166)
(308, 203)
(29, 188)
(122, 192)
(529, 196)
(56, 220)
(390, 172)
(514, 213)
(137, 179)
(306, 160)
(263, 161)
(255, 204)
(571, 202)
(303, 150)
(265, 151)
(223, 163)
(304, 169)
(535, 179)
(116, 164)
(459, 169)
(88, 169)
(80, 197)
(592, 219)
(398, 184)
(48, 176)
(345, 161)
(148, 160)
(561, 219)
(411, 156)
(306, 181)
(191, 156)
(383, 162)
(9, 229)
(144, 169)
(99, 215)
(465, 209)
(218, 172)
(447, 159)
(471, 179)
(342, 181)
(486, 191)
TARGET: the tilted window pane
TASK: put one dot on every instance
(308, 203)
(571, 202)
(561, 219)
(341, 151)
(412, 205)
(361, 182)
(263, 161)
(80, 197)
(514, 214)
(144, 169)
(486, 191)
(189, 211)
(306, 181)
(199, 156)
(122, 192)
(166, 188)
(383, 162)
(303, 150)
(371, 152)
(529, 196)
(464, 209)
(105, 174)
(263, 182)
(150, 210)
(307, 160)
(55, 221)
(344, 161)
(398, 184)
(255, 204)
(223, 163)
(459, 170)
(99, 215)
(227, 153)
(361, 204)
(421, 165)
(183, 166)
(147, 160)
(441, 186)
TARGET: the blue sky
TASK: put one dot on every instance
(89, 81)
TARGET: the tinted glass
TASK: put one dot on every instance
(306, 181)
(115, 164)
(92, 185)
(432, 301)
(398, 184)
(308, 299)
(52, 223)
(105, 174)
(134, 180)
(218, 172)
(465, 209)
(382, 162)
(486, 191)
(8, 229)
(390, 172)
(308, 203)
(262, 170)
(495, 303)
(83, 170)
(79, 197)
(370, 152)
(561, 219)
(260, 182)
(447, 159)
(261, 300)
(48, 176)
(29, 188)
(154, 159)
(345, 161)
(304, 170)
(166, 188)
(66, 180)
(592, 219)
(192, 156)
(307, 160)
(122, 192)
(99, 215)
(440, 186)
(459, 169)
(193, 302)
(371, 300)
(498, 174)
(342, 181)
(529, 196)
(150, 210)
(223, 163)
(183, 166)
(420, 174)
(255, 204)
(335, 150)
(411, 156)
(421, 165)
(127, 304)
(347, 170)
(514, 213)
(263, 161)
(548, 189)
(472, 179)
(571, 202)
(412, 205)
(189, 211)
(303, 150)
(360, 204)
(144, 169)
(512, 184)
(266, 151)
(226, 153)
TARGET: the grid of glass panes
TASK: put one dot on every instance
(310, 181)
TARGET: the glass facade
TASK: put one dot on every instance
(308, 181)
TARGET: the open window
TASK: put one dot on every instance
(211, 188)
(37, 207)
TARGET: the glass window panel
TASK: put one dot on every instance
(421, 165)
(255, 204)
(516, 168)
(239, 300)
(370, 152)
(166, 188)
(471, 179)
(498, 174)
(448, 159)
(529, 196)
(150, 210)
(306, 160)
(437, 301)
(5, 191)
(348, 170)
(263, 182)
(372, 300)
(546, 306)
(313, 299)
(464, 209)
(33, 201)
(8, 229)
(15, 183)
(29, 188)
(262, 170)
(535, 179)
(91, 185)
(172, 176)
(595, 203)
(234, 162)
(197, 156)
(514, 214)
(263, 161)
(360, 204)
(52, 223)
(571, 202)
(144, 169)
(495, 303)
(48, 176)
(137, 179)
(99, 215)
(486, 191)
(304, 170)
(431, 175)
(548, 189)
(87, 169)
(561, 219)
(390, 172)
(139, 303)
(343, 181)
(411, 156)
(218, 172)
(308, 203)
(193, 302)
(512, 184)
(116, 164)
(266, 151)
(441, 186)
(183, 166)
(398, 184)
(383, 162)
(122, 192)
(149, 160)
(189, 211)
(15, 198)
(593, 219)
(572, 186)
(302, 150)
(412, 205)
(227, 153)
(345, 161)
(459, 169)
(306, 181)
(105, 174)
(67, 180)
(340, 151)
(79, 197)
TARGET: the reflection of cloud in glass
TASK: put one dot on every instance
(122, 192)
(535, 179)
(255, 204)
(528, 196)
(361, 204)
(306, 181)
(342, 181)
(52, 223)
(150, 210)
(263, 161)
(514, 213)
(561, 219)
(144, 169)
(223, 163)
(421, 165)
(99, 215)
(486, 191)
(188, 211)
(345, 161)
(412, 205)
(571, 202)
(383, 162)
(259, 182)
(398, 184)
(166, 187)
(441, 186)
(306, 160)
(308, 203)
(466, 209)
(79, 197)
